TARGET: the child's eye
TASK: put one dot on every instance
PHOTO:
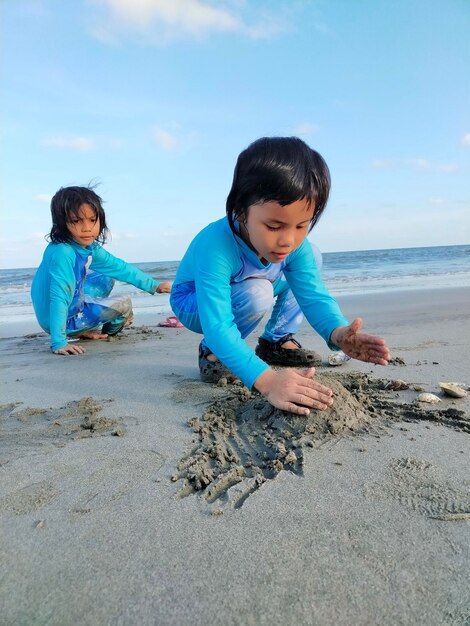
(273, 227)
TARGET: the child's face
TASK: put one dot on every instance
(85, 226)
(275, 231)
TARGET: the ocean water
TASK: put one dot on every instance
(344, 273)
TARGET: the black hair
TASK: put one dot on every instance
(66, 204)
(278, 169)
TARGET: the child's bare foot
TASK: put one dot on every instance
(91, 335)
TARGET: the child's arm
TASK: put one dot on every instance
(61, 291)
(369, 348)
(109, 265)
(317, 304)
(324, 314)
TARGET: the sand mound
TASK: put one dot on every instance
(29, 427)
(242, 441)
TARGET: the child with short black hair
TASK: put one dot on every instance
(234, 268)
(70, 290)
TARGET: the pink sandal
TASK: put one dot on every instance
(171, 322)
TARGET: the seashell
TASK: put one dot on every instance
(453, 390)
(397, 385)
(338, 358)
(430, 398)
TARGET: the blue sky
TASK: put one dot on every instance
(154, 99)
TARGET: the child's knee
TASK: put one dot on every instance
(257, 298)
(98, 285)
(123, 307)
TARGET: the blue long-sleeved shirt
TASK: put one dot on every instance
(58, 283)
(215, 259)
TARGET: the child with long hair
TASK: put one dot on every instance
(71, 288)
(236, 267)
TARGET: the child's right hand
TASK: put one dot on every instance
(294, 390)
(70, 349)
(164, 287)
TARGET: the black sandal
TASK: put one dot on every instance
(210, 371)
(273, 353)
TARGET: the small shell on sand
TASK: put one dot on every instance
(397, 385)
(338, 358)
(453, 390)
(430, 398)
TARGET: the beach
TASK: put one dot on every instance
(111, 511)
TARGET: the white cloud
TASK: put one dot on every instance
(466, 140)
(80, 144)
(384, 164)
(170, 232)
(425, 164)
(165, 20)
(437, 200)
(305, 129)
(35, 236)
(166, 140)
(419, 164)
(34, 9)
(447, 167)
(122, 236)
(43, 197)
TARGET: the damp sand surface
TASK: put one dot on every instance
(211, 507)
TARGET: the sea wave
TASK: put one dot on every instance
(343, 273)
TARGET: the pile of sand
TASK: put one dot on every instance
(242, 441)
(29, 428)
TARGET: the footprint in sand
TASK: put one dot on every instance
(420, 485)
(28, 499)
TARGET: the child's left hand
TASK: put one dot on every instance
(164, 287)
(357, 345)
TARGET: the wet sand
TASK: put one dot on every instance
(132, 493)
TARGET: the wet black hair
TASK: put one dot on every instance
(278, 169)
(66, 204)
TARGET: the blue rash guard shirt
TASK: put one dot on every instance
(215, 260)
(57, 288)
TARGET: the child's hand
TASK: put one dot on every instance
(294, 390)
(70, 349)
(369, 348)
(164, 287)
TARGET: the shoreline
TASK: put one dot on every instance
(364, 530)
(409, 300)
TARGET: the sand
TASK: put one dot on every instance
(132, 493)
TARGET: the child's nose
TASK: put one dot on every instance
(286, 238)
